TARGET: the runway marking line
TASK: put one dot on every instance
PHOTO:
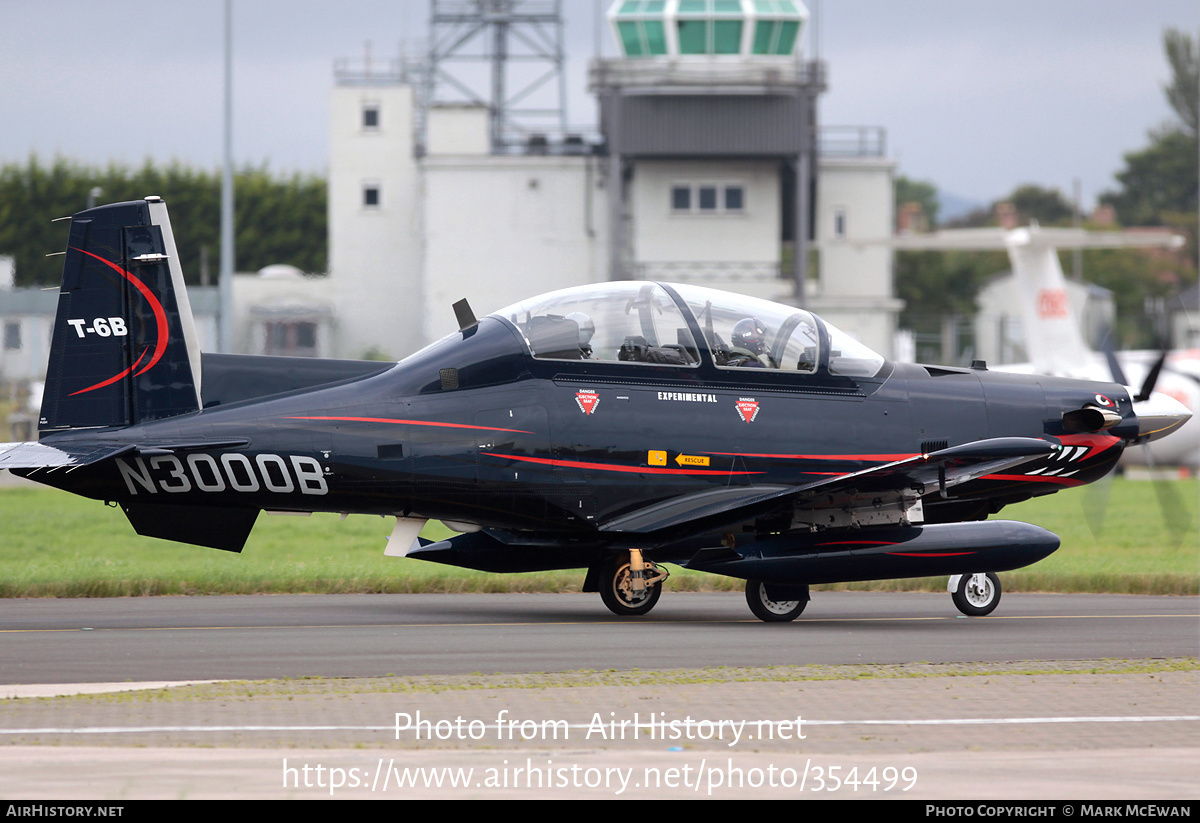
(605, 623)
(965, 721)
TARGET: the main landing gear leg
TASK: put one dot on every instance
(630, 585)
(975, 594)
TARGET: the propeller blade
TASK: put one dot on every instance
(1095, 504)
(1175, 516)
(1114, 366)
(1151, 378)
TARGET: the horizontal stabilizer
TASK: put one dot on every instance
(999, 239)
(46, 456)
(59, 455)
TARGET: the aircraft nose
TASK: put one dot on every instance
(1159, 415)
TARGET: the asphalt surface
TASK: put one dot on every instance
(867, 695)
(202, 638)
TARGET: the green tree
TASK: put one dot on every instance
(1162, 177)
(278, 219)
(938, 283)
(920, 192)
(1133, 276)
(1184, 56)
(1047, 206)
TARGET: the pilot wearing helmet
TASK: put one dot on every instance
(748, 345)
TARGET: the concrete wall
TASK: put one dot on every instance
(855, 196)
(25, 351)
(664, 233)
(375, 249)
(458, 130)
(853, 290)
(499, 229)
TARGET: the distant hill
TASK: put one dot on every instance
(951, 206)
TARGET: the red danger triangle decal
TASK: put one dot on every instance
(747, 407)
(588, 400)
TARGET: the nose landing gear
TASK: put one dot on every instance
(975, 594)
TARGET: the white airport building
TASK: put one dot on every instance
(707, 119)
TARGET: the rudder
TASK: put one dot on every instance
(124, 346)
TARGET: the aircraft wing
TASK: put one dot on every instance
(913, 477)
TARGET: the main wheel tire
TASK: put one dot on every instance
(977, 594)
(768, 610)
(618, 595)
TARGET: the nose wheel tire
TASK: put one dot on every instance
(619, 596)
(768, 609)
(977, 594)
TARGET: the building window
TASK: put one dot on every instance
(370, 117)
(293, 338)
(681, 198)
(12, 336)
(839, 222)
(775, 36)
(710, 27)
(641, 29)
(708, 198)
(370, 196)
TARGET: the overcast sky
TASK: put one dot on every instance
(976, 97)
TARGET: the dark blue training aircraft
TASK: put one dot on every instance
(612, 427)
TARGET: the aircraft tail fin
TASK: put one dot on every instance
(1053, 334)
(124, 347)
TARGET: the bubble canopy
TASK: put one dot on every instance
(683, 326)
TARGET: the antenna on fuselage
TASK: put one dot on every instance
(464, 315)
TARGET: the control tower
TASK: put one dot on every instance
(709, 120)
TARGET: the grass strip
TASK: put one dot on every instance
(59, 545)
(288, 688)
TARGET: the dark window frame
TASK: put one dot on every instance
(697, 195)
(372, 196)
(370, 117)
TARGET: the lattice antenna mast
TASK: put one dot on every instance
(521, 42)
